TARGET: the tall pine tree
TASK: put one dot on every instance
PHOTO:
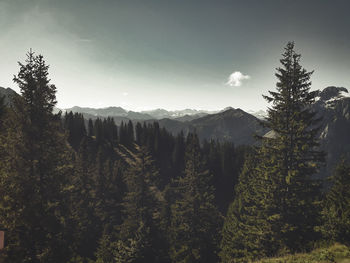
(283, 201)
(34, 171)
(294, 157)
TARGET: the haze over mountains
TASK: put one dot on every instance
(236, 125)
(181, 115)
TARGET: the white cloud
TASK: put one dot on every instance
(236, 78)
(125, 94)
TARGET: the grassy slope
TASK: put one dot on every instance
(336, 253)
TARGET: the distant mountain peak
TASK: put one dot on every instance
(260, 114)
(228, 108)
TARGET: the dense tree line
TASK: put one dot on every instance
(81, 190)
(76, 190)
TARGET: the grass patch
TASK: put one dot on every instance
(336, 253)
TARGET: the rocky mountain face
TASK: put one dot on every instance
(7, 93)
(334, 109)
(234, 125)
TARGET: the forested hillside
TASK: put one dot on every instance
(77, 190)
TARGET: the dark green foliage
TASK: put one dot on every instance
(161, 143)
(34, 170)
(98, 130)
(139, 131)
(336, 207)
(98, 222)
(195, 221)
(294, 157)
(2, 108)
(244, 231)
(276, 207)
(225, 162)
(104, 130)
(130, 131)
(178, 155)
(87, 226)
(110, 131)
(74, 124)
(91, 128)
(74, 190)
(139, 238)
(126, 134)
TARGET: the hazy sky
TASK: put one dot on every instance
(173, 54)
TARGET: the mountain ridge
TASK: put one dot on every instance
(239, 126)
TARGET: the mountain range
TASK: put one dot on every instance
(236, 125)
(157, 114)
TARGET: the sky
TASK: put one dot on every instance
(173, 54)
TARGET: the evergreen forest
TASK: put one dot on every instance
(81, 190)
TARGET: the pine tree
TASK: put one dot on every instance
(98, 130)
(87, 227)
(90, 128)
(294, 158)
(34, 171)
(110, 131)
(139, 131)
(247, 231)
(130, 132)
(279, 210)
(123, 134)
(336, 207)
(178, 155)
(234, 247)
(195, 220)
(75, 126)
(140, 237)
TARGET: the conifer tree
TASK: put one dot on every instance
(110, 131)
(130, 132)
(139, 132)
(90, 128)
(74, 124)
(178, 155)
(336, 207)
(34, 171)
(87, 227)
(280, 208)
(293, 155)
(123, 134)
(195, 221)
(247, 231)
(140, 237)
(98, 130)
